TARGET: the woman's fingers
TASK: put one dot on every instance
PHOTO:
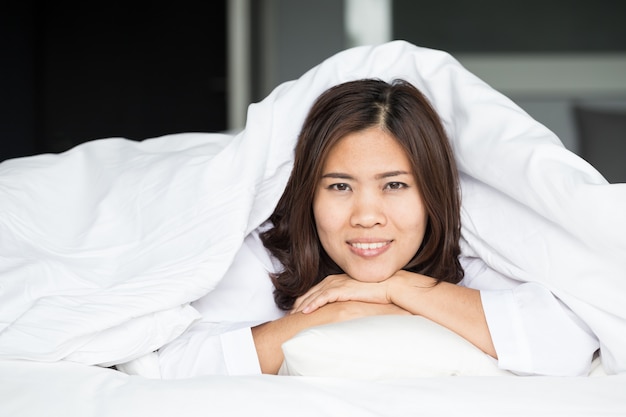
(328, 282)
(340, 288)
(311, 301)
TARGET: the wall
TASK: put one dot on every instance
(549, 86)
(292, 37)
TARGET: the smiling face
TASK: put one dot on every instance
(368, 209)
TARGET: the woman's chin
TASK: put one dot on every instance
(370, 276)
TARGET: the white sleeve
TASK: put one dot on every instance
(210, 349)
(221, 343)
(533, 332)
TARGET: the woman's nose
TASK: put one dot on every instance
(367, 211)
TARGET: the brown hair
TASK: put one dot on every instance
(403, 111)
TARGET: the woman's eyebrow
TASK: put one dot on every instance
(391, 174)
(382, 175)
(338, 175)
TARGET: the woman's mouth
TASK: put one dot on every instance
(369, 249)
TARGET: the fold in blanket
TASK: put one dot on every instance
(103, 247)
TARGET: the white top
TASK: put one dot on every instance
(533, 332)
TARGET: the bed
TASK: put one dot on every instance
(104, 247)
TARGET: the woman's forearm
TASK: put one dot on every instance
(268, 338)
(452, 306)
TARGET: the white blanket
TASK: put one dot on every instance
(65, 389)
(103, 247)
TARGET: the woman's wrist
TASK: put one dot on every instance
(403, 283)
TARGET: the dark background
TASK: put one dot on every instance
(77, 71)
(492, 26)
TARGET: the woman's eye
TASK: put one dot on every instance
(395, 185)
(339, 187)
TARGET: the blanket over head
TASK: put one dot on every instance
(103, 247)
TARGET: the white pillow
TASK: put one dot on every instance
(381, 347)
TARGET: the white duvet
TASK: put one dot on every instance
(82, 391)
(102, 248)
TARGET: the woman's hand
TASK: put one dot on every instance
(341, 288)
(455, 307)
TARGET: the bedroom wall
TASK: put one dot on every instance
(292, 36)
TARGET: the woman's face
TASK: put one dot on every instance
(367, 207)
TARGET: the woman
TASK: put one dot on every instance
(367, 225)
(382, 182)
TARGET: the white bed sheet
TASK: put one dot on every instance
(66, 389)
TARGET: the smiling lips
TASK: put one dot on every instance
(369, 249)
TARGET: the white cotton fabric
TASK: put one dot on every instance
(30, 389)
(532, 331)
(116, 231)
(534, 335)
(221, 342)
